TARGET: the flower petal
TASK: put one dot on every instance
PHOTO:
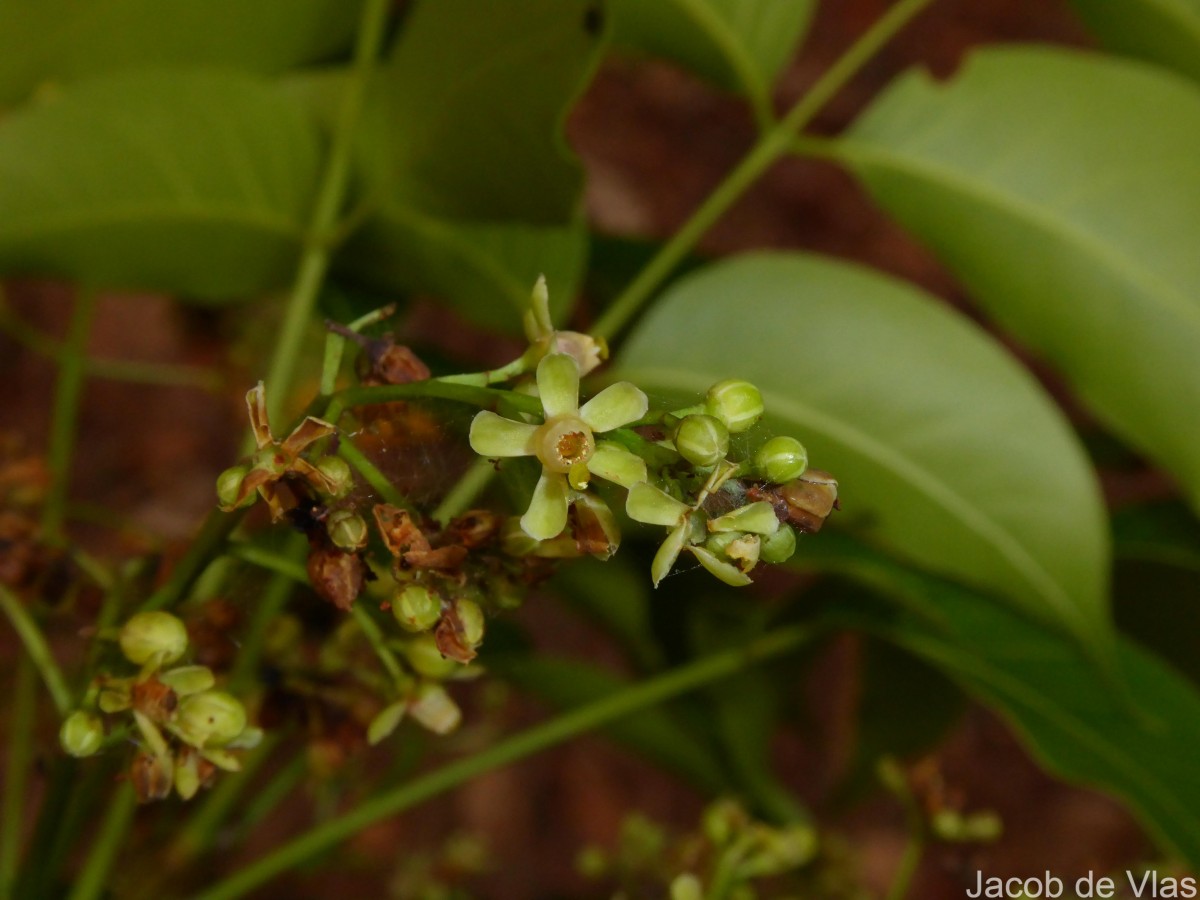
(727, 572)
(616, 405)
(256, 405)
(493, 435)
(547, 513)
(614, 463)
(558, 384)
(757, 518)
(665, 558)
(649, 504)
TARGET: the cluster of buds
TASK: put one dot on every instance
(185, 728)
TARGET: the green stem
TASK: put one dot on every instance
(437, 389)
(460, 497)
(378, 642)
(67, 394)
(372, 476)
(894, 779)
(771, 145)
(110, 835)
(275, 792)
(37, 648)
(335, 346)
(20, 753)
(274, 598)
(641, 696)
(318, 248)
(206, 545)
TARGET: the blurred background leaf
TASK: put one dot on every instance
(1063, 190)
(1162, 31)
(946, 448)
(190, 181)
(57, 41)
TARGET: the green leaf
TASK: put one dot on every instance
(654, 734)
(187, 181)
(1063, 190)
(57, 41)
(476, 190)
(741, 45)
(1162, 31)
(1046, 687)
(945, 448)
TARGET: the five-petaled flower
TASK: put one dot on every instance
(565, 442)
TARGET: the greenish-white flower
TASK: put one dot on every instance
(565, 443)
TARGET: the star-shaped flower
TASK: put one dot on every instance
(565, 443)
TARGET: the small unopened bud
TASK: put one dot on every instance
(211, 718)
(347, 529)
(781, 459)
(188, 679)
(416, 608)
(702, 440)
(778, 547)
(337, 472)
(153, 636)
(187, 774)
(82, 733)
(737, 403)
(426, 659)
(687, 887)
(470, 620)
(229, 488)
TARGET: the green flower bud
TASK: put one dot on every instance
(82, 733)
(426, 659)
(346, 528)
(153, 636)
(778, 547)
(337, 471)
(736, 403)
(470, 617)
(416, 608)
(781, 459)
(188, 679)
(187, 775)
(210, 718)
(702, 440)
(229, 488)
(687, 887)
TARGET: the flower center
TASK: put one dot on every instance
(564, 441)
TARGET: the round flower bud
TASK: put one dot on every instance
(687, 887)
(781, 459)
(702, 440)
(157, 636)
(416, 608)
(426, 659)
(81, 734)
(337, 470)
(211, 718)
(347, 529)
(470, 618)
(736, 403)
(229, 486)
(778, 547)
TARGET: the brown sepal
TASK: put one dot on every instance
(449, 638)
(153, 699)
(336, 575)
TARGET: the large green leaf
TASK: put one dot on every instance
(189, 181)
(1138, 743)
(477, 192)
(1063, 190)
(1162, 31)
(56, 41)
(738, 44)
(946, 449)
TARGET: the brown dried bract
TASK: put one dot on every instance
(154, 699)
(475, 528)
(408, 543)
(449, 638)
(151, 778)
(804, 502)
(393, 363)
(336, 575)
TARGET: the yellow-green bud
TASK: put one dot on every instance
(82, 733)
(153, 636)
(687, 887)
(416, 608)
(211, 718)
(778, 547)
(426, 659)
(187, 775)
(470, 617)
(781, 459)
(188, 679)
(737, 403)
(337, 470)
(702, 440)
(229, 486)
(347, 529)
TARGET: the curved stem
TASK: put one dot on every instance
(773, 144)
(67, 394)
(571, 724)
(318, 249)
(110, 834)
(37, 648)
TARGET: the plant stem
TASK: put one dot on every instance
(20, 752)
(378, 642)
(201, 551)
(276, 595)
(465, 490)
(372, 476)
(434, 388)
(318, 247)
(895, 781)
(571, 724)
(37, 648)
(770, 146)
(67, 394)
(110, 835)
